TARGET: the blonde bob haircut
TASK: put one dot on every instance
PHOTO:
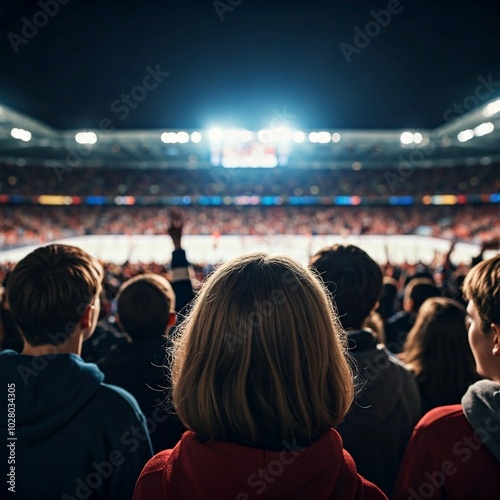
(261, 358)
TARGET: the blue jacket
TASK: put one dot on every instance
(74, 437)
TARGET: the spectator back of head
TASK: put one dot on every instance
(145, 305)
(49, 290)
(354, 280)
(418, 291)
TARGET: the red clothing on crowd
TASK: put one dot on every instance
(447, 459)
(199, 470)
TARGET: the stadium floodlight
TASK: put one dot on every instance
(417, 137)
(245, 135)
(313, 137)
(283, 135)
(21, 134)
(335, 137)
(182, 137)
(196, 137)
(484, 129)
(265, 136)
(492, 108)
(86, 138)
(465, 135)
(407, 138)
(324, 137)
(298, 136)
(215, 134)
(169, 137)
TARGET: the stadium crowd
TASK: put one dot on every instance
(345, 379)
(24, 225)
(283, 181)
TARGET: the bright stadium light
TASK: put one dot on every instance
(407, 138)
(465, 135)
(417, 137)
(313, 137)
(21, 134)
(484, 129)
(298, 136)
(265, 136)
(169, 137)
(335, 137)
(324, 137)
(86, 138)
(283, 135)
(196, 137)
(245, 135)
(182, 137)
(215, 135)
(492, 108)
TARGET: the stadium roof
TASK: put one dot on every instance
(467, 140)
(360, 65)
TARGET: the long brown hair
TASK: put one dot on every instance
(261, 358)
(438, 352)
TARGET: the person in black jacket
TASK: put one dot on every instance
(147, 306)
(387, 404)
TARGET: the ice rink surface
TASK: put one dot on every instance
(209, 249)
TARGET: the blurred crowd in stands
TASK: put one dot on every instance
(24, 225)
(286, 181)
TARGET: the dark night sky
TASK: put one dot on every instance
(263, 60)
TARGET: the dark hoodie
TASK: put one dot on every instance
(481, 405)
(204, 470)
(75, 437)
(385, 410)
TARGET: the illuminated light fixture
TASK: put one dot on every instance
(283, 135)
(465, 135)
(298, 136)
(196, 137)
(265, 136)
(21, 134)
(324, 137)
(484, 129)
(245, 135)
(407, 138)
(492, 108)
(313, 137)
(417, 137)
(182, 137)
(215, 135)
(357, 166)
(86, 138)
(335, 137)
(169, 137)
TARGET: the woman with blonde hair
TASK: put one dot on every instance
(438, 354)
(260, 377)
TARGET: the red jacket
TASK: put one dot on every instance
(217, 470)
(444, 459)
